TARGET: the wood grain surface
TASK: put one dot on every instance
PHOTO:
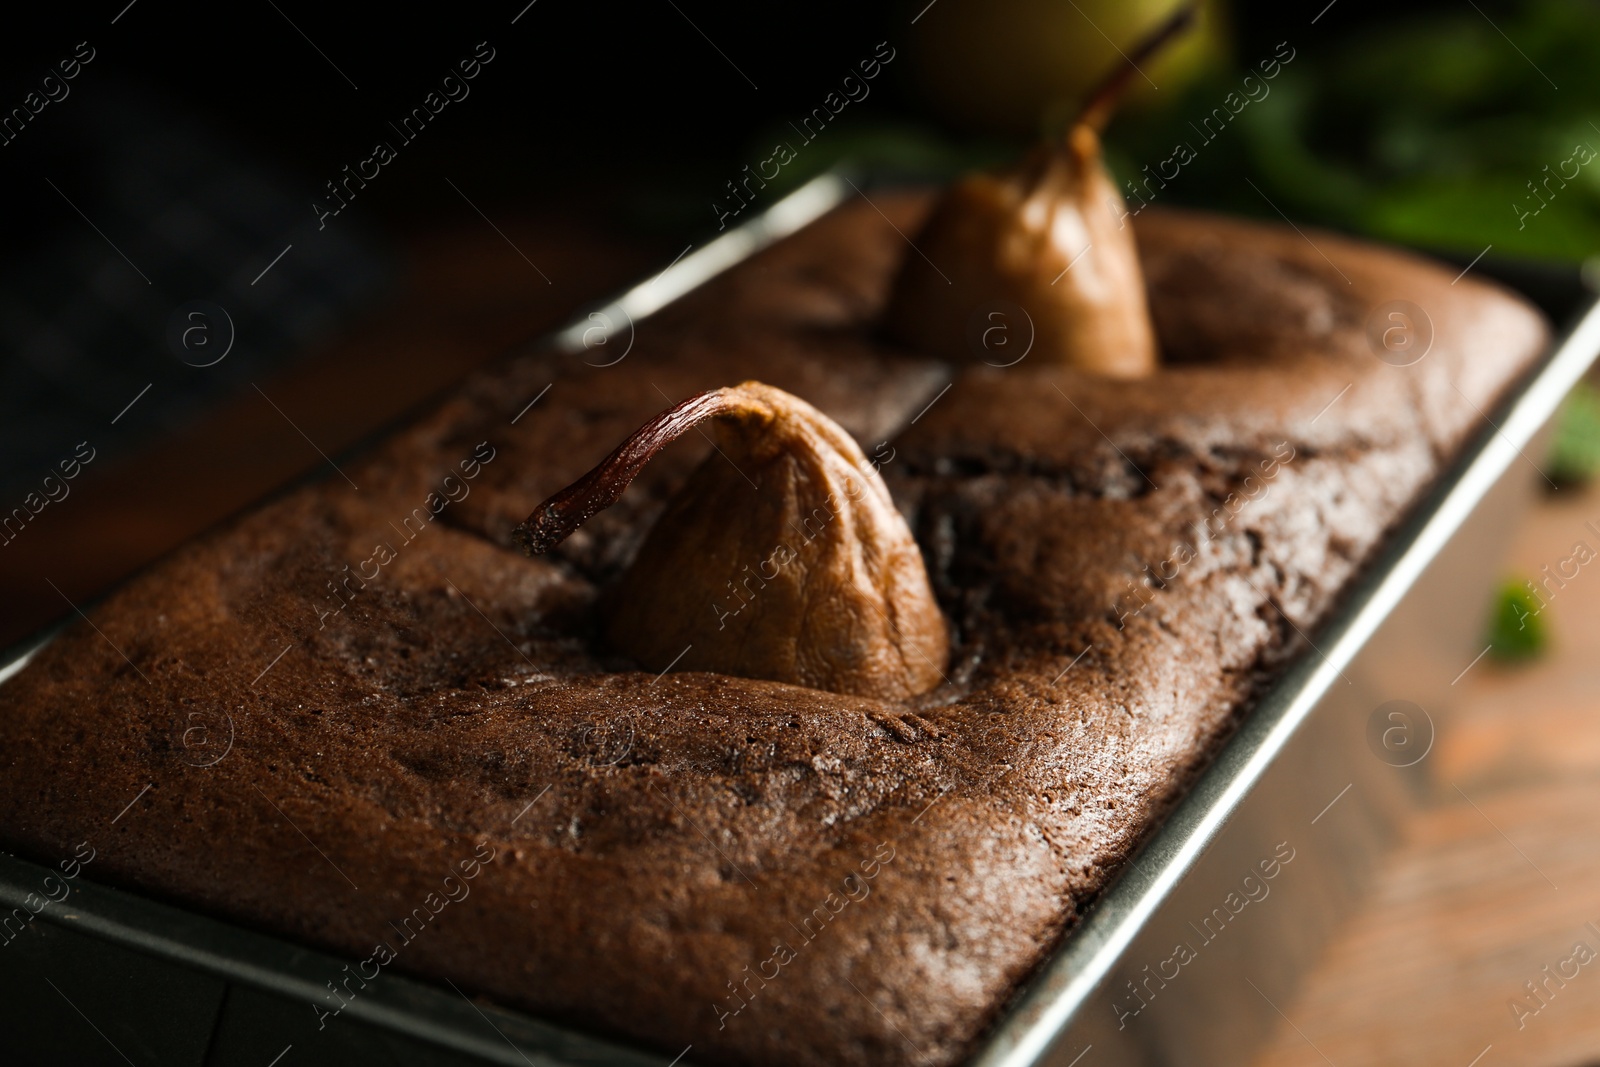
(1498, 875)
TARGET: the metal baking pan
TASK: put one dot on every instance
(1312, 788)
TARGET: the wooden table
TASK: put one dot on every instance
(1497, 878)
(1495, 881)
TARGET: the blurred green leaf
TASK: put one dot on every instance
(1437, 131)
(1516, 632)
(1575, 449)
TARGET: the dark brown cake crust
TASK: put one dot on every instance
(890, 871)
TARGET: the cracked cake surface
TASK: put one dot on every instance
(767, 872)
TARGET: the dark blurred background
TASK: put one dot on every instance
(178, 298)
(643, 108)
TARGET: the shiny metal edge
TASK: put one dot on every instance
(596, 326)
(11, 669)
(13, 659)
(409, 1006)
(395, 1002)
(1051, 1002)
(615, 318)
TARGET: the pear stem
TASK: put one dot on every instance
(1103, 100)
(554, 520)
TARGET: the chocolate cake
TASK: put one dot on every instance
(433, 764)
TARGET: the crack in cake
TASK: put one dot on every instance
(768, 872)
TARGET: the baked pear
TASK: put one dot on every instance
(1037, 258)
(782, 557)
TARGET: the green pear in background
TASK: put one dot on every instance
(1010, 66)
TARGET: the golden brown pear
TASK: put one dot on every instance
(808, 576)
(1036, 257)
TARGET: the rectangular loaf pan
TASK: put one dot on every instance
(1300, 778)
